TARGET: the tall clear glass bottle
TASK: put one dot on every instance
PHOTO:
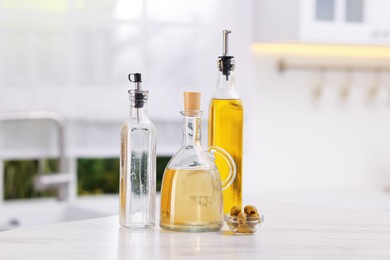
(226, 119)
(137, 163)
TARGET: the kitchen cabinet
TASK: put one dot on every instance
(323, 21)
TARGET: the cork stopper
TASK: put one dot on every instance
(191, 101)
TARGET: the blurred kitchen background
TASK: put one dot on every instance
(314, 77)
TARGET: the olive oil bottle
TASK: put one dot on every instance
(226, 124)
(191, 191)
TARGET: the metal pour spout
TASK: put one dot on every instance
(136, 80)
(225, 61)
(225, 42)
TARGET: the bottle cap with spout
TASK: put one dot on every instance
(137, 95)
(226, 61)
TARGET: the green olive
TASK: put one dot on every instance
(250, 210)
(235, 210)
(255, 216)
(241, 218)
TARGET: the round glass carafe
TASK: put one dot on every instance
(191, 193)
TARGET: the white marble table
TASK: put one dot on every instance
(290, 231)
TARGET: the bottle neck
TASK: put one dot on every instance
(138, 113)
(226, 88)
(191, 128)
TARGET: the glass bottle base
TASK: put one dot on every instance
(137, 226)
(193, 227)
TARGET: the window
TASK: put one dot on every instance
(354, 11)
(98, 42)
(325, 10)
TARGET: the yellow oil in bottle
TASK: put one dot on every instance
(191, 200)
(226, 131)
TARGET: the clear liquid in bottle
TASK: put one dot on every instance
(137, 188)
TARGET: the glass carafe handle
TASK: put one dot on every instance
(229, 160)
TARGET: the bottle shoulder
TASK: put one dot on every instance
(132, 122)
(189, 157)
(224, 104)
(224, 93)
(129, 127)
